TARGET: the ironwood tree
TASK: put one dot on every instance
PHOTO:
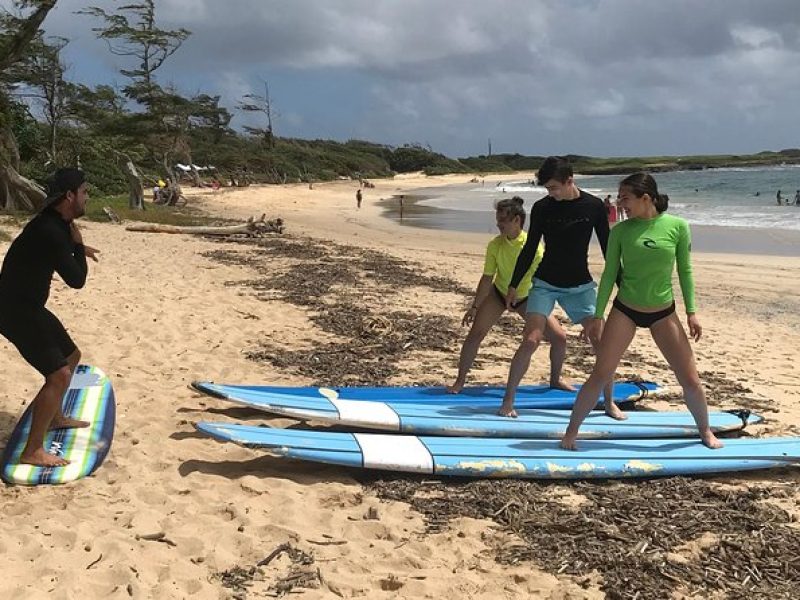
(255, 103)
(17, 31)
(132, 31)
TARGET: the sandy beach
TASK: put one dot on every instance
(160, 310)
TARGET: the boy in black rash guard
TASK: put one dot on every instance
(566, 219)
(50, 242)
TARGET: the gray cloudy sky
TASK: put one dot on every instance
(599, 77)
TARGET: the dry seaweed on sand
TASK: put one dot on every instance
(647, 539)
(333, 281)
(281, 580)
(371, 349)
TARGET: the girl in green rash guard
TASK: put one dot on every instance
(645, 248)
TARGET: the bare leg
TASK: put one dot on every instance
(557, 337)
(671, 339)
(611, 408)
(617, 336)
(45, 407)
(488, 312)
(531, 338)
(60, 421)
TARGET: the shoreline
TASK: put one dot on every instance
(706, 239)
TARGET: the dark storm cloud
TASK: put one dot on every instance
(548, 73)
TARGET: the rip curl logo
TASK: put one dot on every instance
(56, 448)
(649, 243)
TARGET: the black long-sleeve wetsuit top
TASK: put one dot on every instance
(45, 246)
(566, 226)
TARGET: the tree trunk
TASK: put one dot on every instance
(18, 192)
(135, 188)
(14, 47)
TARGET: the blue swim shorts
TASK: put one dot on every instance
(578, 302)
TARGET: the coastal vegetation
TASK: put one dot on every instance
(129, 138)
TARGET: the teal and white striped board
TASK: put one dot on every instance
(512, 458)
(89, 397)
(480, 421)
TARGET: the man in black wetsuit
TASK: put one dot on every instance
(50, 242)
(565, 218)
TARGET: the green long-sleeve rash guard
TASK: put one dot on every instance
(646, 250)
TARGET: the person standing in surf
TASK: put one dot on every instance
(490, 297)
(50, 242)
(565, 218)
(646, 249)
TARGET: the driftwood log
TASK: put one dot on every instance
(252, 228)
(112, 216)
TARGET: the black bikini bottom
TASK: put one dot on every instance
(643, 319)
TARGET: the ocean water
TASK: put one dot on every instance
(743, 198)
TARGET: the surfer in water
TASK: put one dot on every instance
(490, 297)
(565, 218)
(646, 249)
(50, 242)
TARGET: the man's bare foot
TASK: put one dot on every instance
(67, 423)
(507, 411)
(568, 442)
(40, 458)
(562, 384)
(711, 441)
(613, 411)
(455, 388)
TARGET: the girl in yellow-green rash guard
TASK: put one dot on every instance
(641, 255)
(490, 300)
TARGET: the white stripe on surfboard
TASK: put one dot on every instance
(80, 448)
(85, 380)
(394, 452)
(363, 412)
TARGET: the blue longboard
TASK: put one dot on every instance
(428, 419)
(540, 396)
(89, 397)
(512, 458)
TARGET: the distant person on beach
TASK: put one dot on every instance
(797, 198)
(490, 298)
(611, 209)
(779, 198)
(358, 198)
(645, 249)
(401, 205)
(565, 218)
(50, 242)
(621, 216)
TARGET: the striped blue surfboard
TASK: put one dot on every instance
(89, 397)
(512, 458)
(428, 419)
(538, 396)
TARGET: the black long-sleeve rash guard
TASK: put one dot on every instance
(45, 246)
(566, 226)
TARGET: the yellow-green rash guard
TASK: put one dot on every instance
(501, 258)
(646, 251)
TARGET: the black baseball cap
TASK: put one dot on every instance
(66, 179)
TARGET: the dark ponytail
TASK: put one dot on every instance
(512, 207)
(643, 183)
